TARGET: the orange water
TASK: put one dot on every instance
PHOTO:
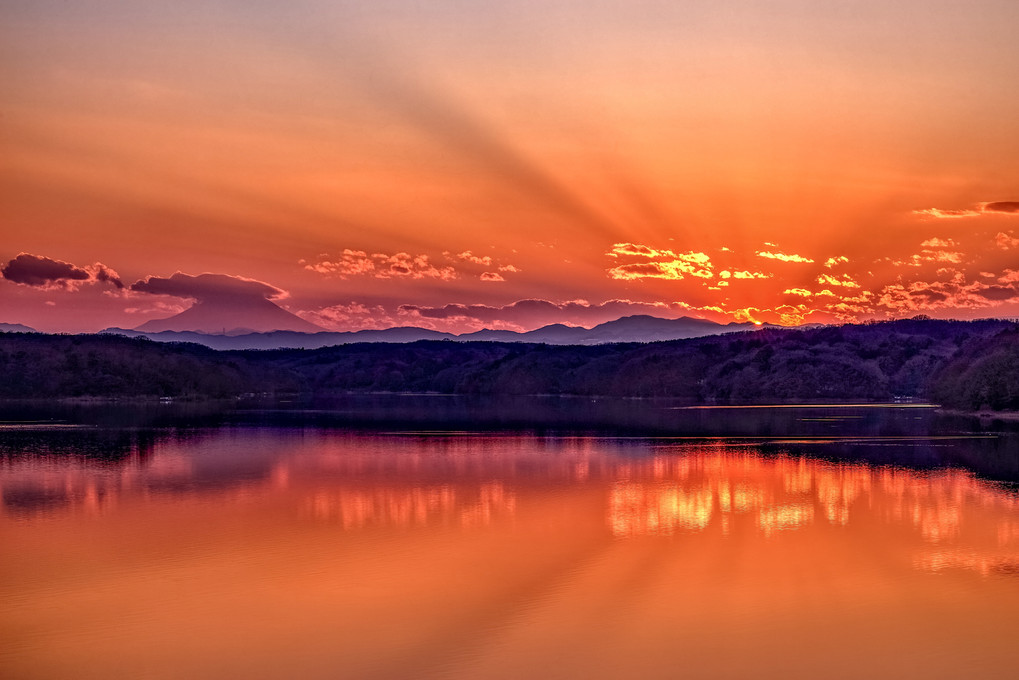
(250, 553)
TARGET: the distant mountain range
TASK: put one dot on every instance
(639, 328)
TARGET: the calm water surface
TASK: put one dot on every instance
(266, 544)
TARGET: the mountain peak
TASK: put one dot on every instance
(219, 317)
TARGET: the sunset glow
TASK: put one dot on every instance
(509, 165)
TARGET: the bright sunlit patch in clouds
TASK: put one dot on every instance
(381, 266)
(844, 280)
(783, 256)
(674, 270)
(664, 264)
(988, 208)
(947, 214)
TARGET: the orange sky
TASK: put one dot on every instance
(784, 161)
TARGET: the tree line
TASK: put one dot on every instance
(961, 364)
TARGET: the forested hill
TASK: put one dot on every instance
(965, 365)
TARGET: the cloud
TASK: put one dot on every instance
(349, 263)
(664, 264)
(951, 291)
(802, 292)
(943, 256)
(897, 299)
(32, 270)
(351, 316)
(998, 293)
(219, 287)
(845, 280)
(381, 266)
(485, 261)
(638, 250)
(161, 308)
(46, 273)
(938, 243)
(104, 274)
(782, 256)
(935, 250)
(1006, 241)
(747, 314)
(1011, 207)
(832, 261)
(940, 214)
(468, 256)
(1007, 207)
(674, 270)
(1009, 276)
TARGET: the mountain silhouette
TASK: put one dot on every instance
(16, 328)
(236, 316)
(638, 328)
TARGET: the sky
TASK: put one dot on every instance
(466, 164)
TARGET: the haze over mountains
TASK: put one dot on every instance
(639, 328)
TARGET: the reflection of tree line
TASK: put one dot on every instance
(46, 483)
(342, 482)
(768, 495)
(447, 505)
(73, 442)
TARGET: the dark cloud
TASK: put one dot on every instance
(43, 272)
(33, 270)
(929, 295)
(998, 293)
(1002, 207)
(104, 274)
(208, 287)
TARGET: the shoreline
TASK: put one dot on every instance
(983, 414)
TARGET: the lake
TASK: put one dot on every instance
(413, 537)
